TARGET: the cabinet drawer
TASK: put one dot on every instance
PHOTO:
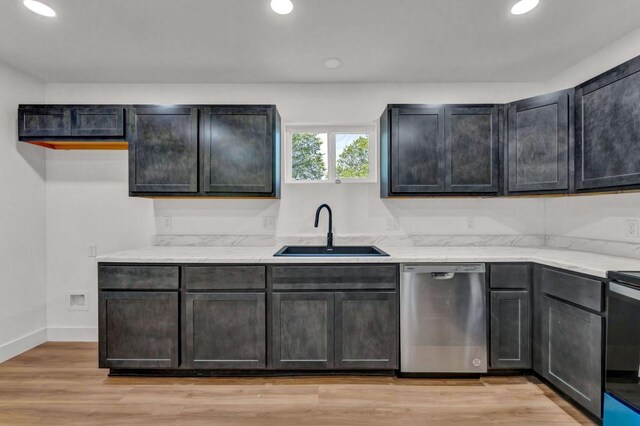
(226, 277)
(138, 277)
(344, 277)
(511, 276)
(582, 291)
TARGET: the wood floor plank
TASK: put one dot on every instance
(60, 384)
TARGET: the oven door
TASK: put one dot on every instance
(623, 343)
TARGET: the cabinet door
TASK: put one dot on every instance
(417, 150)
(538, 144)
(366, 330)
(138, 329)
(303, 330)
(607, 129)
(44, 121)
(510, 330)
(572, 352)
(238, 150)
(471, 149)
(163, 150)
(225, 330)
(103, 121)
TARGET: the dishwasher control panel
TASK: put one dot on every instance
(446, 268)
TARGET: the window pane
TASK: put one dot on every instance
(309, 156)
(352, 155)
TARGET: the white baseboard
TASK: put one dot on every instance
(72, 334)
(22, 344)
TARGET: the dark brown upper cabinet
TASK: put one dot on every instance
(417, 150)
(539, 144)
(439, 149)
(608, 129)
(73, 126)
(471, 143)
(238, 150)
(98, 121)
(43, 121)
(163, 150)
(200, 151)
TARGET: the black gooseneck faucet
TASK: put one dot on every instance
(330, 233)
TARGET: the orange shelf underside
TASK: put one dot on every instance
(71, 145)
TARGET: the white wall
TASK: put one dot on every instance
(623, 49)
(22, 222)
(599, 217)
(87, 204)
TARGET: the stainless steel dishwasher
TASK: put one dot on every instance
(443, 318)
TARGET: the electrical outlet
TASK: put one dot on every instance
(393, 224)
(471, 222)
(269, 222)
(166, 222)
(93, 250)
(77, 301)
(632, 228)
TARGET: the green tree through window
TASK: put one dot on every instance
(307, 159)
(353, 162)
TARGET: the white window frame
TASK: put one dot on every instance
(331, 130)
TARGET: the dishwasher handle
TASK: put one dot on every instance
(442, 275)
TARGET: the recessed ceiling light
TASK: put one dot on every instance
(332, 63)
(524, 6)
(282, 7)
(39, 8)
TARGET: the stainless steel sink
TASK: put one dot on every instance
(336, 251)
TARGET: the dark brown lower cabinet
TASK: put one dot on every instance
(138, 329)
(571, 351)
(366, 330)
(303, 330)
(225, 331)
(510, 330)
(355, 330)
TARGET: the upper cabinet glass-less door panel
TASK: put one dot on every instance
(163, 150)
(608, 129)
(472, 149)
(44, 121)
(417, 150)
(97, 121)
(238, 150)
(538, 143)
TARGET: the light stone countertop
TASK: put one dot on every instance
(583, 262)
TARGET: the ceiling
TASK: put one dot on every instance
(243, 41)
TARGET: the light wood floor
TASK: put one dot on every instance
(59, 383)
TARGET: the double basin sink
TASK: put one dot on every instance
(325, 251)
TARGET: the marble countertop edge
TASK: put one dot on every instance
(577, 261)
